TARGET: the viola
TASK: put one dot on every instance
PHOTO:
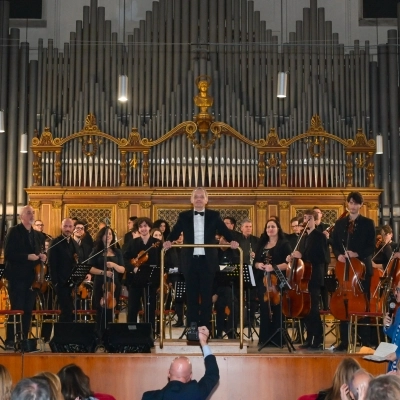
(143, 256)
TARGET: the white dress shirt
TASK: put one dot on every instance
(198, 223)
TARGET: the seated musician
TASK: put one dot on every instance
(313, 249)
(140, 255)
(272, 248)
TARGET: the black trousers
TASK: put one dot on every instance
(64, 297)
(149, 296)
(22, 297)
(199, 278)
(313, 320)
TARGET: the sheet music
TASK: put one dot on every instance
(252, 280)
(382, 351)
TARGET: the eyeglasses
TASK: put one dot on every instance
(39, 224)
(79, 228)
(295, 226)
(397, 290)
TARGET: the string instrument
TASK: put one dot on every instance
(376, 301)
(341, 216)
(349, 296)
(296, 302)
(143, 256)
(40, 282)
(108, 300)
(393, 271)
(271, 294)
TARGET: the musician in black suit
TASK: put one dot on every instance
(313, 249)
(63, 255)
(23, 250)
(356, 233)
(181, 386)
(199, 265)
(138, 280)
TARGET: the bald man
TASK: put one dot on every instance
(181, 386)
(61, 262)
(23, 250)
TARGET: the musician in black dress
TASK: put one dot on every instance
(272, 248)
(63, 255)
(356, 233)
(23, 250)
(384, 248)
(143, 280)
(105, 243)
(313, 249)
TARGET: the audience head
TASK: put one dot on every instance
(345, 370)
(5, 383)
(180, 370)
(54, 383)
(74, 382)
(384, 387)
(31, 389)
(360, 378)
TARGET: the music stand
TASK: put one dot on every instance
(148, 276)
(283, 283)
(248, 283)
(77, 276)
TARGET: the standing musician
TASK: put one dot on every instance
(63, 257)
(273, 248)
(137, 273)
(79, 236)
(39, 226)
(132, 230)
(295, 224)
(313, 249)
(199, 264)
(319, 225)
(384, 248)
(23, 250)
(105, 299)
(357, 234)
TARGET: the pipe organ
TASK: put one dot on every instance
(150, 141)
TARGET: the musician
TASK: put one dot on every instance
(356, 233)
(132, 229)
(78, 235)
(313, 249)
(164, 227)
(384, 251)
(39, 226)
(199, 265)
(295, 224)
(23, 250)
(105, 243)
(321, 226)
(87, 237)
(63, 256)
(272, 248)
(140, 284)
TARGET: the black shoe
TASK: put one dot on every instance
(177, 324)
(316, 343)
(306, 344)
(341, 347)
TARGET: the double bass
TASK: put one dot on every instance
(349, 296)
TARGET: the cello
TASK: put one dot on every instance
(296, 302)
(349, 296)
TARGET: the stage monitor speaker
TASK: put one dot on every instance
(73, 337)
(129, 338)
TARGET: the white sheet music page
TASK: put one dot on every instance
(382, 351)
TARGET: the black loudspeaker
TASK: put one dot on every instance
(129, 338)
(73, 337)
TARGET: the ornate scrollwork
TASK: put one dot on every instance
(92, 142)
(262, 205)
(56, 204)
(145, 205)
(316, 142)
(90, 123)
(284, 205)
(35, 203)
(123, 204)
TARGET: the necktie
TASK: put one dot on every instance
(199, 213)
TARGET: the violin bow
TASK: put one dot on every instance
(372, 259)
(385, 270)
(65, 237)
(101, 251)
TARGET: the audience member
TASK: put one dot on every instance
(5, 383)
(181, 386)
(54, 383)
(31, 389)
(357, 386)
(384, 387)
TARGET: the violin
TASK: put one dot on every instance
(143, 256)
(271, 294)
(40, 282)
(108, 300)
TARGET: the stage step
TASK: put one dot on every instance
(218, 346)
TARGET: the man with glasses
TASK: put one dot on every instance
(295, 225)
(78, 236)
(38, 225)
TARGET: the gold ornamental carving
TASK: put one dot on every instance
(35, 203)
(372, 206)
(284, 205)
(56, 204)
(145, 205)
(123, 204)
(262, 205)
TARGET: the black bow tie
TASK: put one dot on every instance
(199, 213)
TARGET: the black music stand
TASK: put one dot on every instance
(249, 282)
(77, 276)
(149, 276)
(283, 284)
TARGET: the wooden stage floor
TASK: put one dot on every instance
(269, 374)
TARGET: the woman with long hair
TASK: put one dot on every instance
(54, 383)
(111, 263)
(5, 383)
(272, 249)
(164, 227)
